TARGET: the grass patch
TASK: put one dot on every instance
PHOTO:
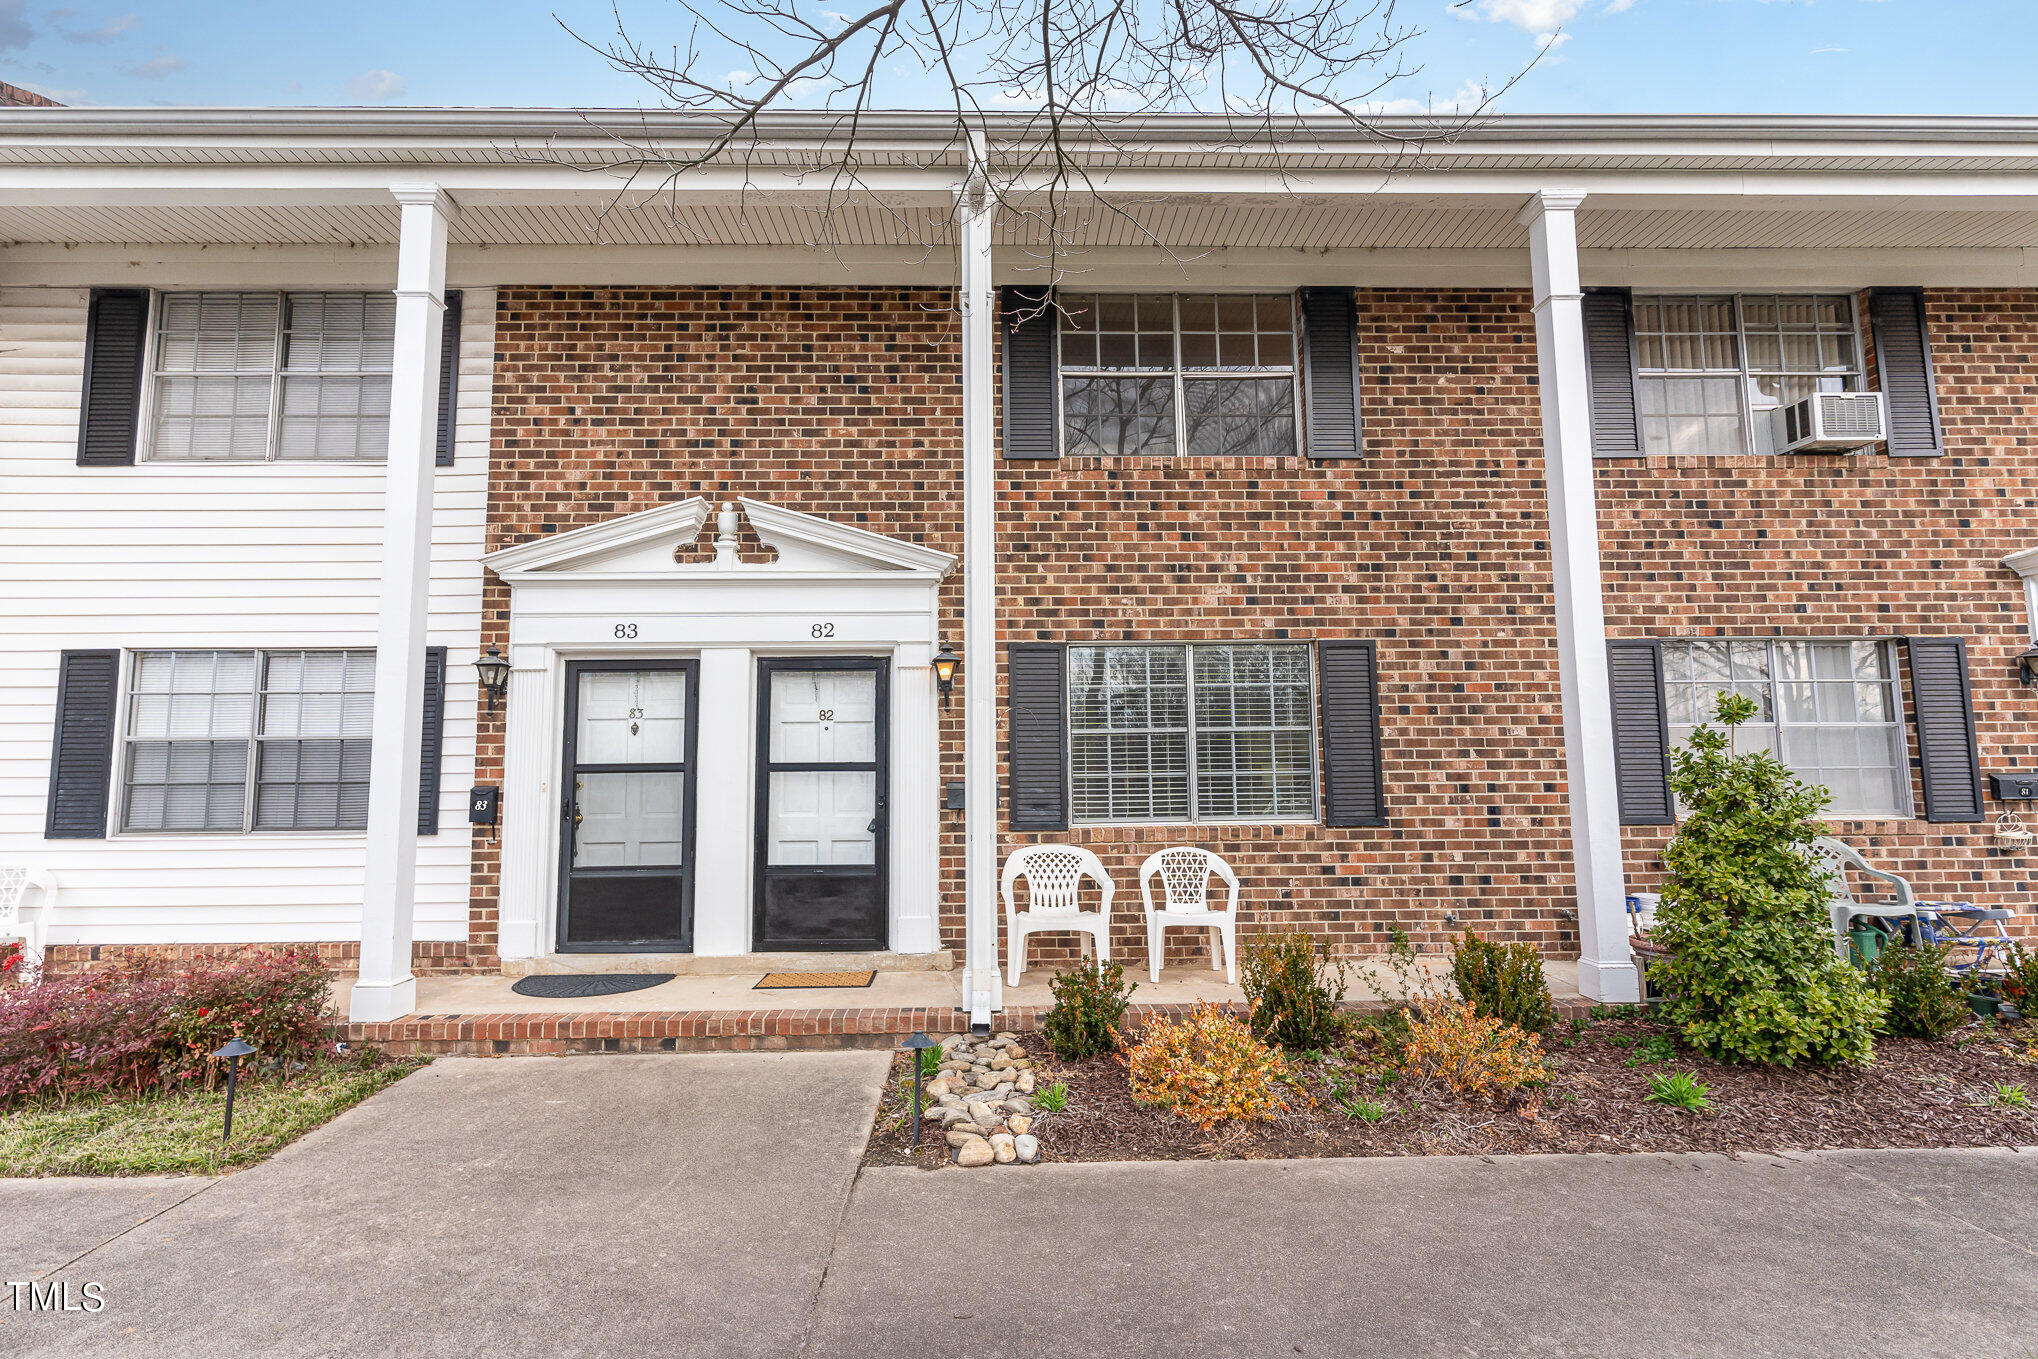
(179, 1133)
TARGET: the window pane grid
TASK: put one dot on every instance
(1205, 373)
(1710, 368)
(257, 376)
(1829, 710)
(200, 722)
(1133, 710)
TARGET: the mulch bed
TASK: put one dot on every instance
(1915, 1094)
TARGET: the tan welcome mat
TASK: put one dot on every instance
(800, 981)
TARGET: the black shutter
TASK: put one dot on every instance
(449, 378)
(1903, 362)
(1029, 324)
(1945, 721)
(81, 753)
(1039, 749)
(1641, 733)
(433, 742)
(1330, 372)
(116, 336)
(1610, 372)
(1348, 687)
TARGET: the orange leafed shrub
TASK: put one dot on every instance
(1207, 1068)
(1472, 1053)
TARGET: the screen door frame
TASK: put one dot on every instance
(880, 866)
(571, 769)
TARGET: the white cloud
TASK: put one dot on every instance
(1619, 6)
(1470, 96)
(370, 86)
(164, 63)
(14, 27)
(52, 92)
(1818, 50)
(1531, 16)
(736, 80)
(106, 32)
(1548, 40)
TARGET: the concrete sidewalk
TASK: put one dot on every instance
(712, 1205)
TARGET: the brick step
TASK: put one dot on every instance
(589, 1032)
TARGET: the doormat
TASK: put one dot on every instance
(576, 985)
(801, 981)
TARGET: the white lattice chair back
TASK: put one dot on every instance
(1832, 855)
(1054, 876)
(13, 887)
(1185, 874)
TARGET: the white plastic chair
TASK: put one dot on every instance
(1054, 883)
(16, 881)
(1837, 856)
(1185, 873)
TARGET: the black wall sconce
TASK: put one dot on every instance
(946, 663)
(494, 671)
(2027, 667)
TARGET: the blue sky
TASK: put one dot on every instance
(1608, 56)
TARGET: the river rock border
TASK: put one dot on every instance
(982, 1097)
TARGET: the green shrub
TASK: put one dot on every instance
(1503, 982)
(1089, 1004)
(1295, 991)
(1751, 971)
(1924, 1000)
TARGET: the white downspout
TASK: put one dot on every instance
(973, 213)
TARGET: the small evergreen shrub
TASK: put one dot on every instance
(1503, 982)
(1924, 1001)
(1089, 1004)
(1751, 971)
(1294, 990)
(1472, 1053)
(1207, 1068)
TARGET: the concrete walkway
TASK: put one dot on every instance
(711, 1205)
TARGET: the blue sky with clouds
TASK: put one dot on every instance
(1597, 56)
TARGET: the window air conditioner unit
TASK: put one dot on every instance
(1828, 422)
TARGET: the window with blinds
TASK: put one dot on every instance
(200, 723)
(1711, 368)
(244, 376)
(1204, 732)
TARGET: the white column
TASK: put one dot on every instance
(723, 836)
(915, 813)
(1605, 969)
(982, 992)
(386, 988)
(525, 896)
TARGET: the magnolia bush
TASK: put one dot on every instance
(1751, 971)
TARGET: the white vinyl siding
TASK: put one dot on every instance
(215, 556)
(253, 376)
(1829, 710)
(1209, 732)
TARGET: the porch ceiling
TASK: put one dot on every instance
(1299, 222)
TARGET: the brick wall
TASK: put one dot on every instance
(1864, 545)
(845, 402)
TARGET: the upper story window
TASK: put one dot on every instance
(1178, 733)
(1828, 710)
(261, 376)
(1710, 368)
(200, 722)
(1162, 373)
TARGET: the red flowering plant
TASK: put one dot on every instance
(140, 1026)
(10, 958)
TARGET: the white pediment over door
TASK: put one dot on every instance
(647, 545)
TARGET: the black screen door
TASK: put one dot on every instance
(626, 860)
(821, 773)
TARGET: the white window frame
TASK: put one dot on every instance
(1906, 809)
(1194, 818)
(154, 373)
(1745, 374)
(123, 714)
(1178, 375)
